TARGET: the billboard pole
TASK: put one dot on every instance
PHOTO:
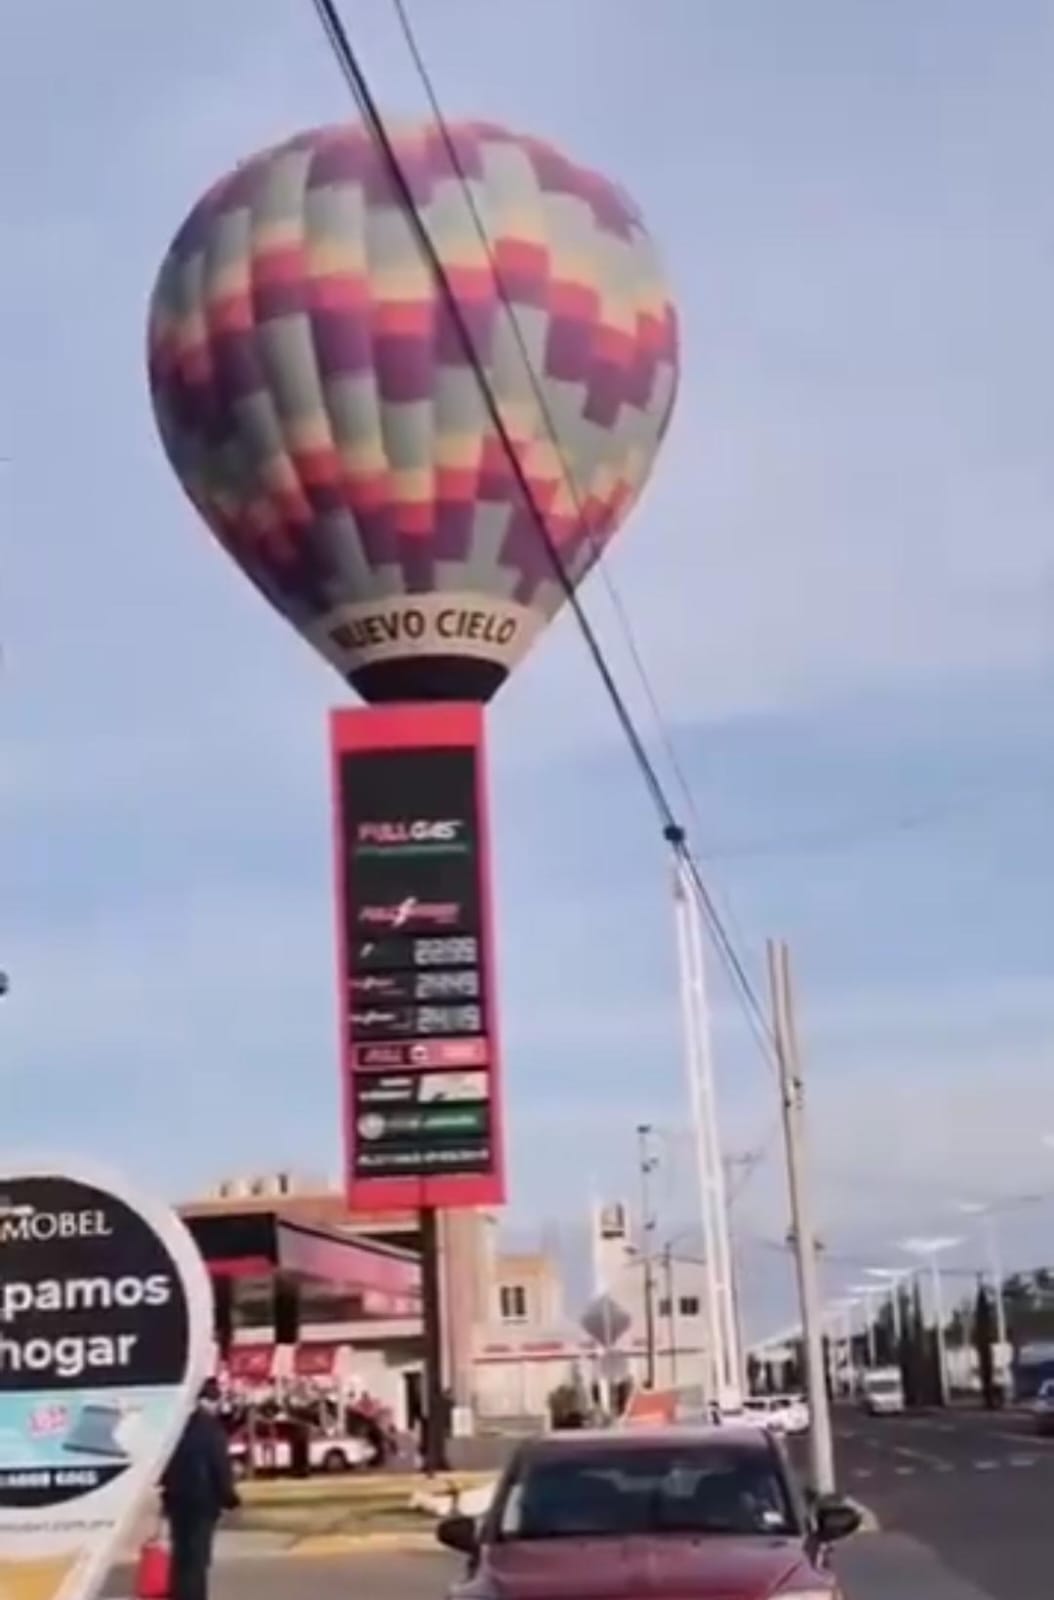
(435, 1428)
(417, 994)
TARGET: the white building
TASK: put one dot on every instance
(675, 1285)
(534, 1343)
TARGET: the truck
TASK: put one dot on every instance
(882, 1391)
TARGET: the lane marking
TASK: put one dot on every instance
(986, 1466)
(917, 1455)
(904, 1472)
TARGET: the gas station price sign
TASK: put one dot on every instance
(414, 933)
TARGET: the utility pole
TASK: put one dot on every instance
(747, 1163)
(648, 1163)
(792, 1094)
(671, 1310)
(723, 1367)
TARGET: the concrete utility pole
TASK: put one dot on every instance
(724, 1365)
(792, 1094)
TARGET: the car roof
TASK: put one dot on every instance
(723, 1436)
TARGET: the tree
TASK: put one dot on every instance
(984, 1341)
(885, 1337)
(911, 1361)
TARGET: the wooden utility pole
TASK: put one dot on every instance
(792, 1095)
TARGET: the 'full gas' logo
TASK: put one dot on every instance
(417, 836)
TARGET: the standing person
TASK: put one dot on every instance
(196, 1489)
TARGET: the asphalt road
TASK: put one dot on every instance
(964, 1502)
(971, 1494)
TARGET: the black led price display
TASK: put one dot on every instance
(414, 950)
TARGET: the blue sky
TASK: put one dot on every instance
(841, 581)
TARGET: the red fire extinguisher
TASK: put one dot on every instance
(153, 1578)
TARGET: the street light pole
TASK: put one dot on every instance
(865, 1291)
(995, 1262)
(893, 1278)
(990, 1229)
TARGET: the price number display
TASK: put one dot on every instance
(456, 985)
(431, 1020)
(460, 951)
(417, 984)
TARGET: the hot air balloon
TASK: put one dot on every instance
(315, 398)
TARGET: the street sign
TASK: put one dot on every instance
(605, 1321)
(105, 1339)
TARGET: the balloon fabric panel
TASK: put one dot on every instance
(315, 398)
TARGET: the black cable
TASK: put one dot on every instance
(672, 829)
(372, 116)
(537, 386)
(725, 947)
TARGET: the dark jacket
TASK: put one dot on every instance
(198, 1480)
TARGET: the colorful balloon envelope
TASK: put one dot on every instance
(316, 399)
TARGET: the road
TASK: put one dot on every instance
(975, 1490)
(964, 1501)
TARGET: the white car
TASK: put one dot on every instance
(326, 1453)
(784, 1413)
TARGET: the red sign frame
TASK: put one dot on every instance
(408, 728)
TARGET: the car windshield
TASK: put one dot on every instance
(627, 1490)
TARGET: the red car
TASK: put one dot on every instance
(670, 1514)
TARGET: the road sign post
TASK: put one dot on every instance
(606, 1323)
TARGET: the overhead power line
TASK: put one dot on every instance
(673, 830)
(730, 958)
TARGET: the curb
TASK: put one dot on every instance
(321, 1545)
(380, 1486)
(869, 1522)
